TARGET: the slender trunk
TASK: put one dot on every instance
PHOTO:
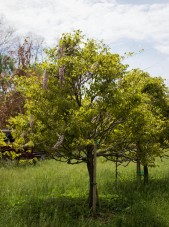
(93, 193)
(138, 163)
(116, 171)
(145, 174)
(94, 181)
(138, 171)
(90, 172)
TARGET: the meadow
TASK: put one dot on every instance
(54, 194)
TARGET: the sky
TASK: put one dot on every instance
(124, 25)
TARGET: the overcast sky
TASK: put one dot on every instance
(125, 25)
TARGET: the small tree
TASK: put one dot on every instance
(143, 132)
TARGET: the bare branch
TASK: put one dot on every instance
(45, 80)
(59, 142)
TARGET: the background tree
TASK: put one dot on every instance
(28, 53)
(18, 56)
(143, 132)
(7, 37)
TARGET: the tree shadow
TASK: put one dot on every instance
(139, 205)
(127, 205)
(53, 211)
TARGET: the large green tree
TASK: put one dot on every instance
(77, 103)
(86, 97)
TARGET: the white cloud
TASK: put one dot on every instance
(101, 19)
(142, 1)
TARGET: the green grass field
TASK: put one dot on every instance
(53, 194)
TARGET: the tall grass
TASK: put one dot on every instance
(55, 194)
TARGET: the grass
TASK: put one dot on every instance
(53, 194)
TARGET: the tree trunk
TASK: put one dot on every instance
(92, 187)
(138, 171)
(145, 174)
(116, 174)
(94, 180)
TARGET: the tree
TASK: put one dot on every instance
(16, 58)
(28, 53)
(11, 102)
(144, 131)
(7, 37)
(77, 104)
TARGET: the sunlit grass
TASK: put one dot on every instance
(55, 194)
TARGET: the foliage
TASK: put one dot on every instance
(80, 100)
(86, 96)
(18, 56)
(142, 135)
(11, 102)
(2, 136)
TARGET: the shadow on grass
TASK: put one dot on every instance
(141, 205)
(129, 206)
(60, 211)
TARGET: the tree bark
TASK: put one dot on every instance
(138, 171)
(90, 168)
(138, 163)
(116, 174)
(94, 180)
(145, 174)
